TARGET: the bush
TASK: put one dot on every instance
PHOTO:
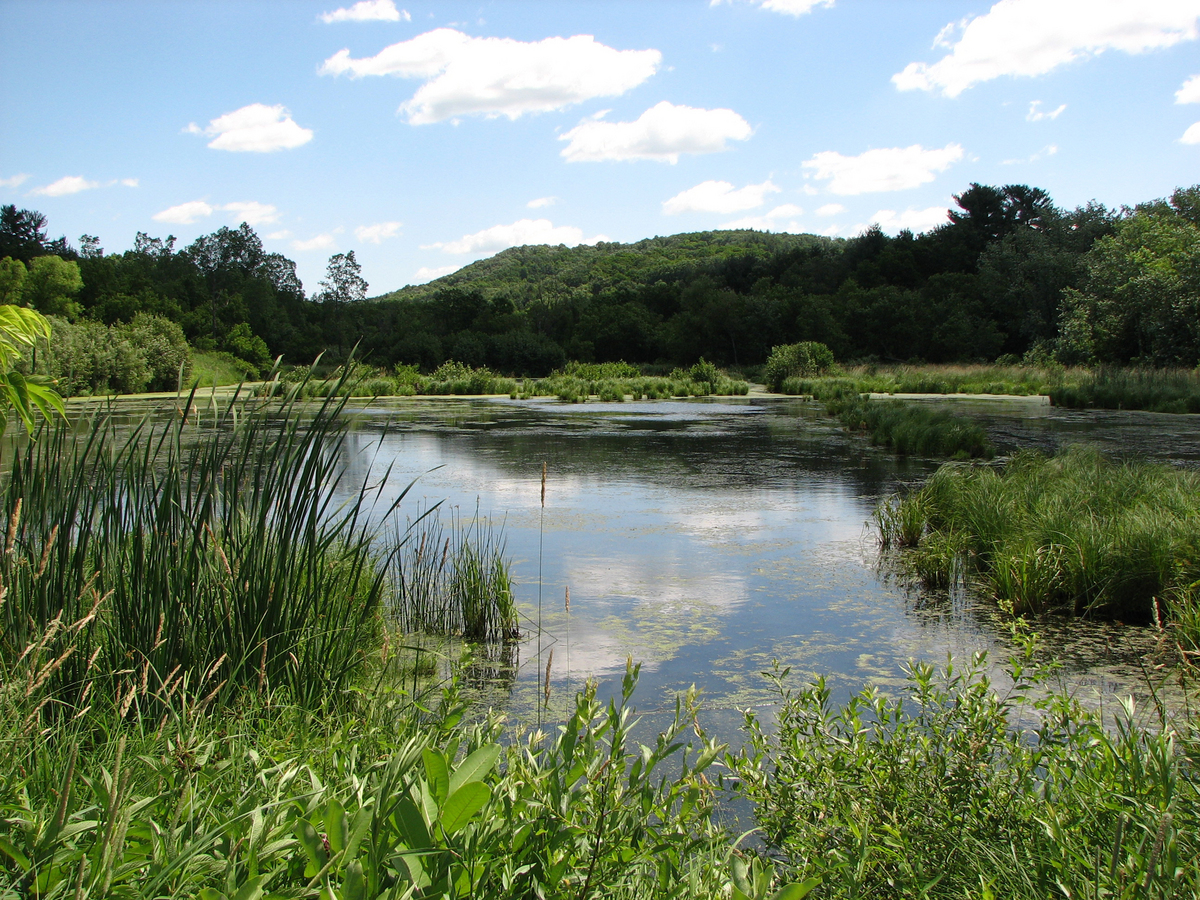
(804, 359)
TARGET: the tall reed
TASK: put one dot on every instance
(220, 547)
(1156, 390)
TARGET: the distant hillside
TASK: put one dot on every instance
(523, 275)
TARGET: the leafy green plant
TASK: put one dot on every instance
(20, 330)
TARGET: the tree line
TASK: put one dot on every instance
(1009, 275)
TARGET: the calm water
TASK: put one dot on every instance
(706, 539)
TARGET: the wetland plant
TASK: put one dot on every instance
(1155, 390)
(1072, 532)
(911, 429)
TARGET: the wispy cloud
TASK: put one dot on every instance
(1036, 115)
(68, 184)
(1190, 92)
(916, 220)
(250, 212)
(519, 233)
(425, 273)
(541, 202)
(317, 242)
(377, 233)
(787, 7)
(719, 197)
(14, 180)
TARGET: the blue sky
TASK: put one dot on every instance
(423, 136)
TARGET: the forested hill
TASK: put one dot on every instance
(1008, 275)
(525, 274)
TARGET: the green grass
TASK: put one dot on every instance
(1072, 533)
(1156, 390)
(911, 429)
(219, 369)
(931, 379)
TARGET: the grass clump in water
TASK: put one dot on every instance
(936, 379)
(1072, 533)
(1155, 390)
(912, 429)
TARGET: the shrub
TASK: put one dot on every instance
(804, 359)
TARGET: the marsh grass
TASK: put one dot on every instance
(938, 379)
(1072, 533)
(452, 581)
(1155, 390)
(911, 429)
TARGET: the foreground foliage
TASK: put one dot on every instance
(1072, 532)
(945, 794)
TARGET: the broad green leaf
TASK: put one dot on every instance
(475, 766)
(438, 773)
(354, 885)
(463, 804)
(797, 891)
(252, 889)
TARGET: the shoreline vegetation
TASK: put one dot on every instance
(205, 692)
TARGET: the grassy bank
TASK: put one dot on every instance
(1156, 390)
(1071, 533)
(933, 379)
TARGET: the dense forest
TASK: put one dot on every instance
(1009, 275)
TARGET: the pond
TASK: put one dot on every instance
(706, 539)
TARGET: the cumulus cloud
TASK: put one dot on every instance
(14, 180)
(1190, 92)
(377, 233)
(256, 128)
(1033, 37)
(1036, 115)
(788, 7)
(367, 11)
(885, 169)
(425, 273)
(248, 211)
(719, 197)
(662, 133)
(69, 184)
(831, 209)
(771, 221)
(1192, 135)
(184, 213)
(466, 75)
(540, 202)
(318, 242)
(519, 233)
(916, 220)
(252, 213)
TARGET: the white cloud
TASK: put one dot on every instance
(1190, 92)
(1036, 115)
(541, 202)
(425, 273)
(916, 220)
(788, 7)
(1048, 150)
(1192, 135)
(279, 235)
(252, 213)
(662, 132)
(831, 209)
(184, 213)
(1033, 37)
(129, 182)
(519, 233)
(499, 76)
(771, 221)
(885, 169)
(319, 242)
(69, 184)
(377, 233)
(367, 11)
(14, 181)
(719, 197)
(256, 128)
